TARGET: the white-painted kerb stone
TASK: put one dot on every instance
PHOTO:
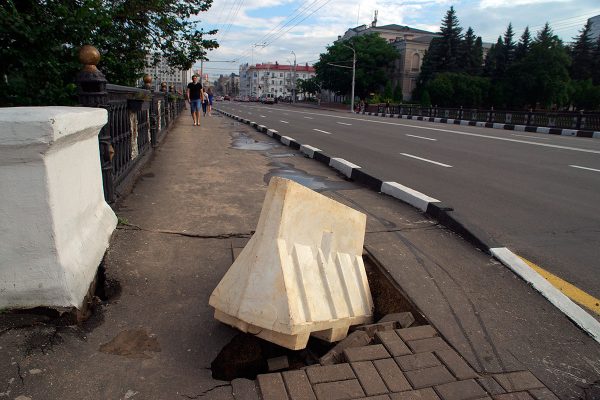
(309, 150)
(270, 132)
(287, 140)
(301, 273)
(345, 167)
(407, 195)
(55, 222)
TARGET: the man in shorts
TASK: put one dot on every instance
(195, 94)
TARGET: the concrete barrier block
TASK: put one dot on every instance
(301, 273)
(270, 132)
(55, 222)
(345, 167)
(287, 140)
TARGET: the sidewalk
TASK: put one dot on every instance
(194, 207)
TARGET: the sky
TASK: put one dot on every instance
(257, 31)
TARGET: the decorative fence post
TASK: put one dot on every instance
(92, 93)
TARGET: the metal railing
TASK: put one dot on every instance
(562, 120)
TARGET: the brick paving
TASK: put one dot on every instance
(411, 363)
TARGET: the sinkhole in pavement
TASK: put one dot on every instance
(247, 356)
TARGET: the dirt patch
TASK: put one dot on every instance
(133, 343)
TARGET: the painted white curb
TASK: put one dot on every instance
(596, 135)
(270, 132)
(309, 150)
(345, 167)
(262, 128)
(407, 195)
(287, 140)
(555, 296)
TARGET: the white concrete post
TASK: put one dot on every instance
(55, 224)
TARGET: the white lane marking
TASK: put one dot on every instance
(343, 123)
(589, 169)
(555, 146)
(318, 130)
(263, 116)
(285, 122)
(286, 114)
(531, 137)
(421, 137)
(309, 117)
(426, 160)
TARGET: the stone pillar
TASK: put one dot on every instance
(92, 93)
(56, 223)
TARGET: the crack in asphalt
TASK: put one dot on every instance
(197, 396)
(242, 235)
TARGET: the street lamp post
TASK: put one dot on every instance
(294, 80)
(353, 75)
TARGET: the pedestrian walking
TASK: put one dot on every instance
(210, 101)
(204, 102)
(195, 94)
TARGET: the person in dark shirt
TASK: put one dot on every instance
(195, 94)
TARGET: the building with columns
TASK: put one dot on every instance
(277, 79)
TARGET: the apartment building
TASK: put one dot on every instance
(277, 79)
(162, 72)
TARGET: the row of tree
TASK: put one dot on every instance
(40, 39)
(533, 72)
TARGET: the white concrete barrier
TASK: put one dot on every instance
(55, 222)
(301, 273)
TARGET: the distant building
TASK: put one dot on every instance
(277, 79)
(228, 85)
(411, 44)
(595, 31)
(162, 72)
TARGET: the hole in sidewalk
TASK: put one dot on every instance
(246, 356)
(242, 141)
(316, 183)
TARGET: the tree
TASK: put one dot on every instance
(310, 86)
(398, 97)
(524, 45)
(374, 61)
(450, 43)
(509, 45)
(596, 58)
(585, 96)
(388, 92)
(39, 41)
(471, 53)
(582, 54)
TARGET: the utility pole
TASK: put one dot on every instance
(353, 75)
(294, 79)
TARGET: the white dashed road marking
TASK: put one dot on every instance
(426, 160)
(318, 130)
(422, 137)
(589, 169)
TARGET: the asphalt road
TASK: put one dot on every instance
(537, 194)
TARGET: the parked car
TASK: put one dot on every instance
(267, 98)
(227, 98)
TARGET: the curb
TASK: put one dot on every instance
(447, 217)
(493, 125)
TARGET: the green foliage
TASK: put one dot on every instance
(584, 95)
(374, 61)
(388, 92)
(452, 89)
(582, 55)
(40, 39)
(397, 96)
(311, 86)
(425, 99)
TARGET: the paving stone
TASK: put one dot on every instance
(391, 375)
(380, 397)
(272, 387)
(329, 373)
(338, 390)
(403, 319)
(455, 363)
(244, 389)
(336, 355)
(429, 344)
(366, 353)
(543, 394)
(461, 390)
(392, 342)
(278, 363)
(490, 385)
(513, 396)
(423, 394)
(373, 328)
(517, 381)
(417, 361)
(417, 332)
(369, 378)
(298, 385)
(426, 377)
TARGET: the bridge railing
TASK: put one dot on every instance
(138, 119)
(565, 120)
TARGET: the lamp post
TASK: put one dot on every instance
(353, 75)
(294, 79)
